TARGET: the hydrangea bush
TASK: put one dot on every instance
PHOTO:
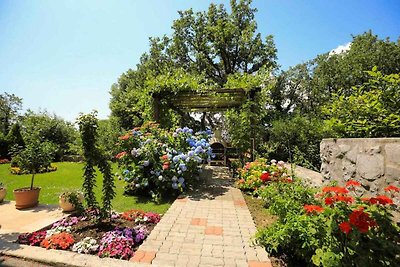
(158, 162)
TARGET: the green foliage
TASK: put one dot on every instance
(206, 49)
(371, 110)
(95, 157)
(108, 133)
(337, 229)
(283, 199)
(297, 139)
(10, 105)
(34, 157)
(43, 127)
(14, 137)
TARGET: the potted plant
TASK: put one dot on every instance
(35, 157)
(3, 192)
(69, 200)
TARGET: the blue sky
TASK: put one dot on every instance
(63, 56)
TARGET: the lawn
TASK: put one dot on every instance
(69, 177)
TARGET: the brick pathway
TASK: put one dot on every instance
(211, 226)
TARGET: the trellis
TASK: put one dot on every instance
(212, 100)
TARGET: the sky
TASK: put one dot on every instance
(63, 56)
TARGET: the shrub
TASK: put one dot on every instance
(259, 173)
(34, 158)
(159, 162)
(338, 229)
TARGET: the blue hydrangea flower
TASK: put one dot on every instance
(146, 163)
(174, 185)
(191, 153)
(160, 178)
(175, 159)
(182, 166)
(174, 179)
(126, 172)
(181, 180)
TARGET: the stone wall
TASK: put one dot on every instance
(374, 162)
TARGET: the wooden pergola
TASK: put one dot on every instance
(211, 100)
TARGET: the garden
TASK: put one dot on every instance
(116, 177)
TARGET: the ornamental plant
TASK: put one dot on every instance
(119, 243)
(261, 172)
(139, 216)
(158, 162)
(58, 241)
(88, 245)
(95, 157)
(339, 228)
(32, 239)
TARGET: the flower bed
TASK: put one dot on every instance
(334, 227)
(158, 162)
(260, 172)
(118, 238)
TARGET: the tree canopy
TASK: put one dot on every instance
(208, 49)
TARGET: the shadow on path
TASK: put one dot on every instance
(216, 182)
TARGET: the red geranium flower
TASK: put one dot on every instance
(164, 157)
(392, 188)
(329, 200)
(265, 177)
(381, 200)
(345, 227)
(120, 155)
(313, 208)
(346, 199)
(335, 189)
(361, 220)
(352, 183)
(165, 166)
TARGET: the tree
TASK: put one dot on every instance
(14, 137)
(372, 110)
(10, 104)
(307, 87)
(204, 50)
(45, 127)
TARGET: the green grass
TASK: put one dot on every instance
(69, 177)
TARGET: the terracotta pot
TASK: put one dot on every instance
(3, 193)
(66, 205)
(26, 198)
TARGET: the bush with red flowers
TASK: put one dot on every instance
(261, 172)
(337, 228)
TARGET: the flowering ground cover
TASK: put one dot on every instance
(119, 237)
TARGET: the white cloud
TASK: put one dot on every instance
(340, 49)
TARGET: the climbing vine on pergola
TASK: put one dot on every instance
(211, 100)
